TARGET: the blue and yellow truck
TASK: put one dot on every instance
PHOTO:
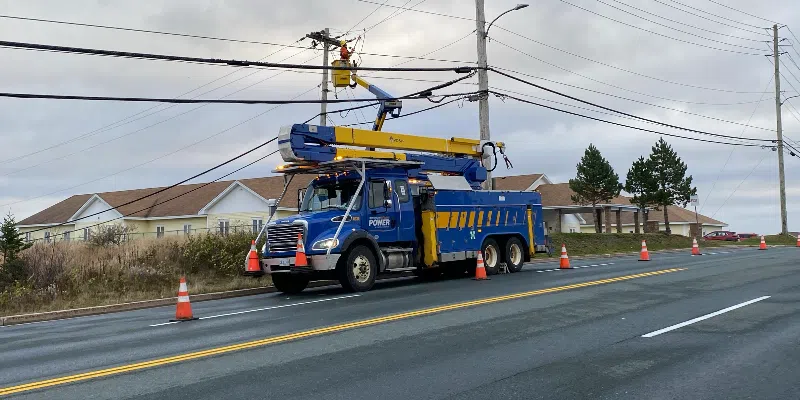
(386, 202)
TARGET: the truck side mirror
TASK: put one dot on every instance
(387, 203)
(387, 191)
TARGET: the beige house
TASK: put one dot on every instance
(245, 204)
(218, 207)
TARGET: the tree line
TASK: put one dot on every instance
(654, 182)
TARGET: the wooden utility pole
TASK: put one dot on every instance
(778, 103)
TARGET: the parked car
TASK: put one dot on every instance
(722, 235)
(747, 235)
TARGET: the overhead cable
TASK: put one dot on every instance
(715, 21)
(740, 11)
(667, 36)
(217, 61)
(504, 95)
(621, 112)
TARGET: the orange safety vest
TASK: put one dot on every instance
(344, 53)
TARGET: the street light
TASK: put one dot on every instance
(517, 7)
(788, 98)
(483, 77)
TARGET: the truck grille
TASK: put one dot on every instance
(283, 237)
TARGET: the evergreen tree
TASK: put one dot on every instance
(10, 246)
(596, 182)
(672, 186)
(640, 182)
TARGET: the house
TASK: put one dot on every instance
(219, 207)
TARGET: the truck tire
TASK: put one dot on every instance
(491, 256)
(289, 283)
(514, 254)
(359, 270)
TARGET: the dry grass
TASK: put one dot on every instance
(67, 275)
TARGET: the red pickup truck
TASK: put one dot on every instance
(722, 235)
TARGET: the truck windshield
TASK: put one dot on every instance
(320, 196)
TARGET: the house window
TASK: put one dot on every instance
(258, 223)
(47, 237)
(67, 236)
(224, 226)
(87, 234)
(187, 229)
(27, 236)
(160, 231)
(571, 230)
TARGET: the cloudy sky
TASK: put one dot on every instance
(704, 68)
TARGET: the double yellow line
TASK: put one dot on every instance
(309, 333)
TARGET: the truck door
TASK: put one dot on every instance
(405, 205)
(382, 220)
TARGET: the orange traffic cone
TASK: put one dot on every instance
(695, 248)
(253, 266)
(184, 309)
(644, 255)
(763, 245)
(300, 259)
(564, 264)
(798, 241)
(480, 270)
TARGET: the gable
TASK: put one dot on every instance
(93, 206)
(237, 199)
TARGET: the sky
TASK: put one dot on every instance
(704, 68)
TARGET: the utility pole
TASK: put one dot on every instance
(483, 84)
(323, 111)
(781, 174)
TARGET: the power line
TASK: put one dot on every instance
(719, 174)
(151, 160)
(740, 11)
(216, 61)
(670, 37)
(615, 86)
(718, 16)
(439, 48)
(162, 190)
(639, 101)
(677, 22)
(193, 101)
(122, 122)
(418, 111)
(740, 184)
(620, 112)
(502, 95)
(367, 16)
(421, 11)
(623, 69)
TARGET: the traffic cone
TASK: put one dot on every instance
(184, 309)
(480, 270)
(763, 245)
(798, 241)
(564, 264)
(644, 255)
(253, 266)
(300, 259)
(695, 248)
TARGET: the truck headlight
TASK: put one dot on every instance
(325, 244)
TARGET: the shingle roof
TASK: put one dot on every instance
(517, 182)
(192, 199)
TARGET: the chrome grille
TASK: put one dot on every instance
(283, 237)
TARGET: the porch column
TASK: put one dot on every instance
(636, 222)
(557, 225)
(619, 220)
(607, 217)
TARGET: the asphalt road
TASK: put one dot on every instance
(718, 326)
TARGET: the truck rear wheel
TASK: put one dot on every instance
(358, 272)
(289, 283)
(514, 255)
(491, 256)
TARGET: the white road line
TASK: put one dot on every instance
(602, 265)
(610, 263)
(725, 252)
(594, 265)
(264, 309)
(549, 270)
(539, 271)
(713, 254)
(707, 316)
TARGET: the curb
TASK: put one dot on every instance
(610, 255)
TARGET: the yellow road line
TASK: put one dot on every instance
(310, 333)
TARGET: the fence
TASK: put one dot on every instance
(132, 235)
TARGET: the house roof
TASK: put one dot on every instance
(559, 194)
(517, 182)
(192, 199)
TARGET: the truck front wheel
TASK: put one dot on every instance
(289, 283)
(491, 256)
(358, 272)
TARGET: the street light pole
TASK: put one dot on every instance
(483, 77)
